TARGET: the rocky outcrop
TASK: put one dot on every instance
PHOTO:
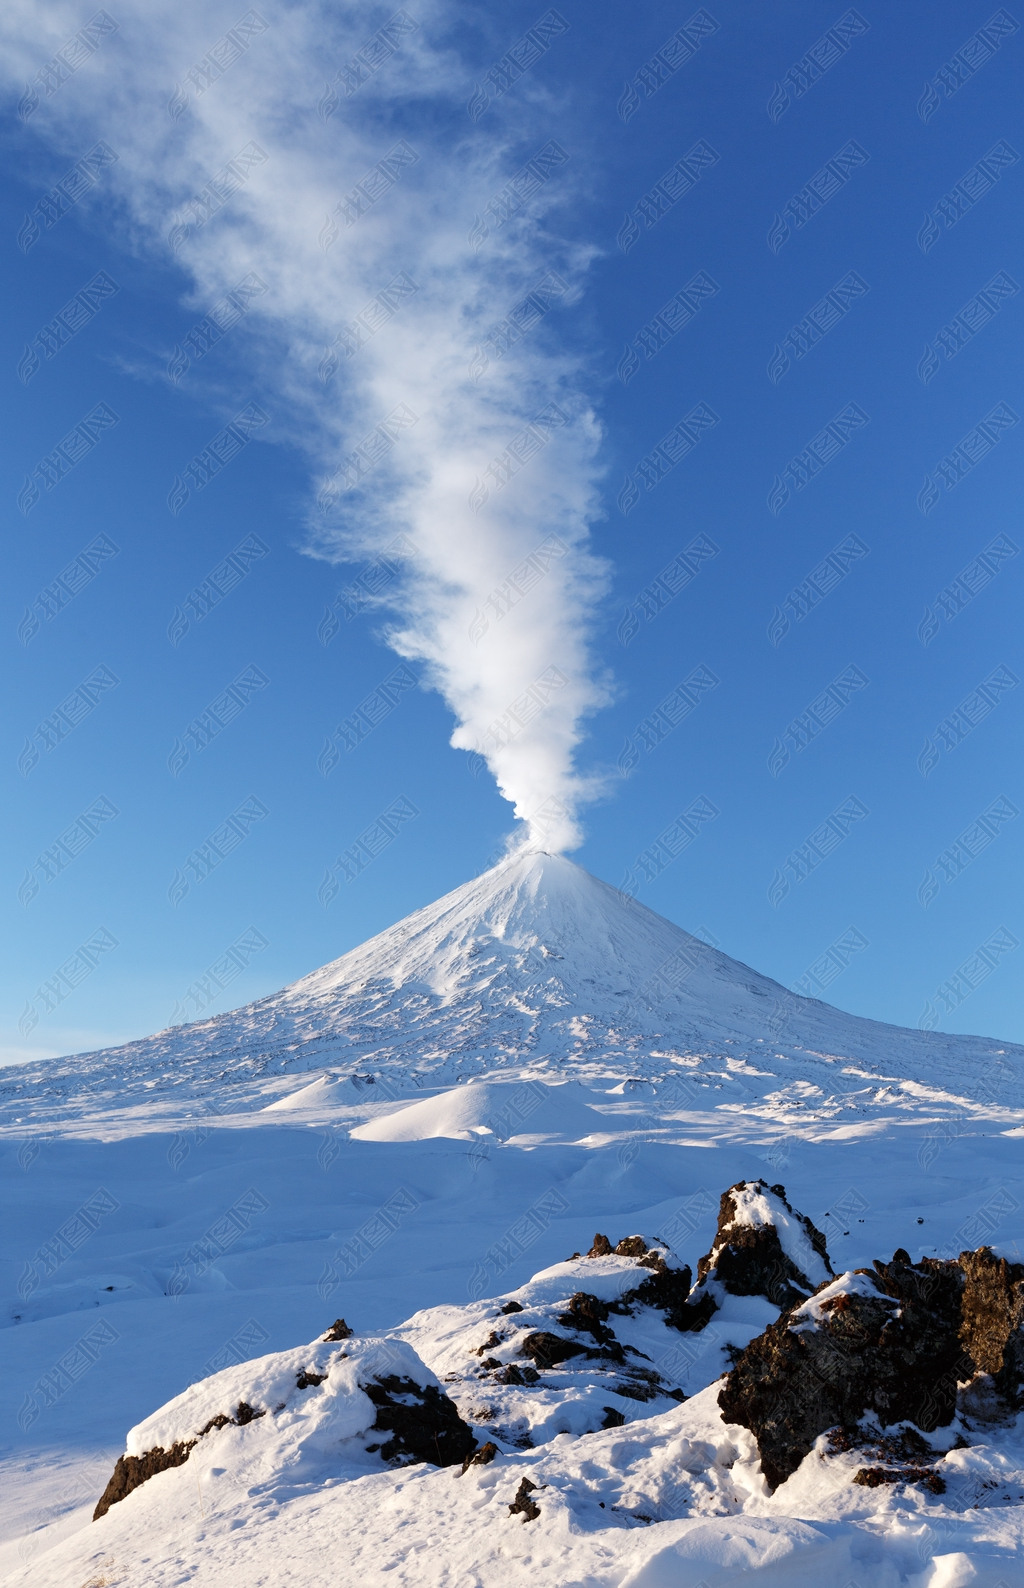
(132, 1471)
(422, 1422)
(522, 1505)
(896, 1342)
(764, 1247)
(547, 1349)
(587, 1315)
(883, 1342)
(992, 1320)
(482, 1457)
(667, 1288)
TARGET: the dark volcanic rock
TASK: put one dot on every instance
(547, 1349)
(132, 1471)
(668, 1289)
(631, 1246)
(874, 1477)
(423, 1423)
(887, 1344)
(481, 1457)
(522, 1505)
(747, 1256)
(992, 1327)
(513, 1374)
(587, 1315)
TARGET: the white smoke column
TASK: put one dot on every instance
(521, 684)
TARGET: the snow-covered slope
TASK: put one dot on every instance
(438, 1454)
(535, 966)
(423, 1124)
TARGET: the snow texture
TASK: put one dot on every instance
(404, 1137)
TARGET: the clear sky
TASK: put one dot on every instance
(786, 712)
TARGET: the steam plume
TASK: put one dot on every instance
(376, 212)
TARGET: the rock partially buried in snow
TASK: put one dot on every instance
(501, 1110)
(372, 1397)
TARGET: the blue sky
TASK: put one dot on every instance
(903, 648)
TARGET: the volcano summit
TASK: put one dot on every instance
(538, 969)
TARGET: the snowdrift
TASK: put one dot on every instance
(502, 1109)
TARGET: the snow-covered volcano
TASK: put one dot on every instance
(535, 967)
(408, 1134)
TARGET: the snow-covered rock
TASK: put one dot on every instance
(763, 1247)
(351, 1399)
(895, 1346)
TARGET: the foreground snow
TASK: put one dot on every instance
(413, 1132)
(297, 1495)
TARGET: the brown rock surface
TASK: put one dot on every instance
(749, 1260)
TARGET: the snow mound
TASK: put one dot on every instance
(344, 1090)
(269, 1384)
(768, 1553)
(502, 1109)
(354, 1399)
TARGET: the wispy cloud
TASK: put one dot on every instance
(173, 185)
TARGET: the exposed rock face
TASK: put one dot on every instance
(992, 1329)
(423, 1423)
(131, 1471)
(874, 1477)
(482, 1457)
(587, 1315)
(547, 1349)
(763, 1247)
(668, 1288)
(895, 1342)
